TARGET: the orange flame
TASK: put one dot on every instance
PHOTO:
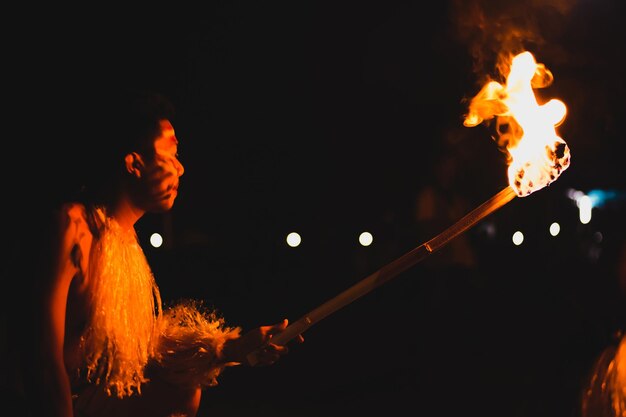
(528, 130)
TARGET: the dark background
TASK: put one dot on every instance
(328, 118)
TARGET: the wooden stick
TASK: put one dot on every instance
(390, 270)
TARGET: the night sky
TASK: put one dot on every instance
(328, 118)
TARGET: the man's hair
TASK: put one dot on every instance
(136, 120)
(122, 121)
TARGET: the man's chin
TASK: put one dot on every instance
(163, 206)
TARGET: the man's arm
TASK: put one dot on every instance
(46, 379)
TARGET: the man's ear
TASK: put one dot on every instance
(134, 164)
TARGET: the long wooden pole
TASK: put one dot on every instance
(391, 270)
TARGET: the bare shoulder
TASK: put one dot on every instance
(74, 234)
(72, 220)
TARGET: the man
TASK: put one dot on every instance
(92, 338)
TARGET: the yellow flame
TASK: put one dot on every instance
(528, 130)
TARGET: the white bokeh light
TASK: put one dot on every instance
(156, 240)
(555, 229)
(366, 238)
(293, 239)
(584, 209)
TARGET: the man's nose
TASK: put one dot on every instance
(180, 169)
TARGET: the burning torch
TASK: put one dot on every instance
(536, 157)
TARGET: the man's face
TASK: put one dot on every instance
(159, 179)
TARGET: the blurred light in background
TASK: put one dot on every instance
(517, 238)
(156, 240)
(598, 237)
(600, 197)
(584, 209)
(293, 239)
(555, 229)
(594, 198)
(366, 239)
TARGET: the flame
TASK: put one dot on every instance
(537, 155)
